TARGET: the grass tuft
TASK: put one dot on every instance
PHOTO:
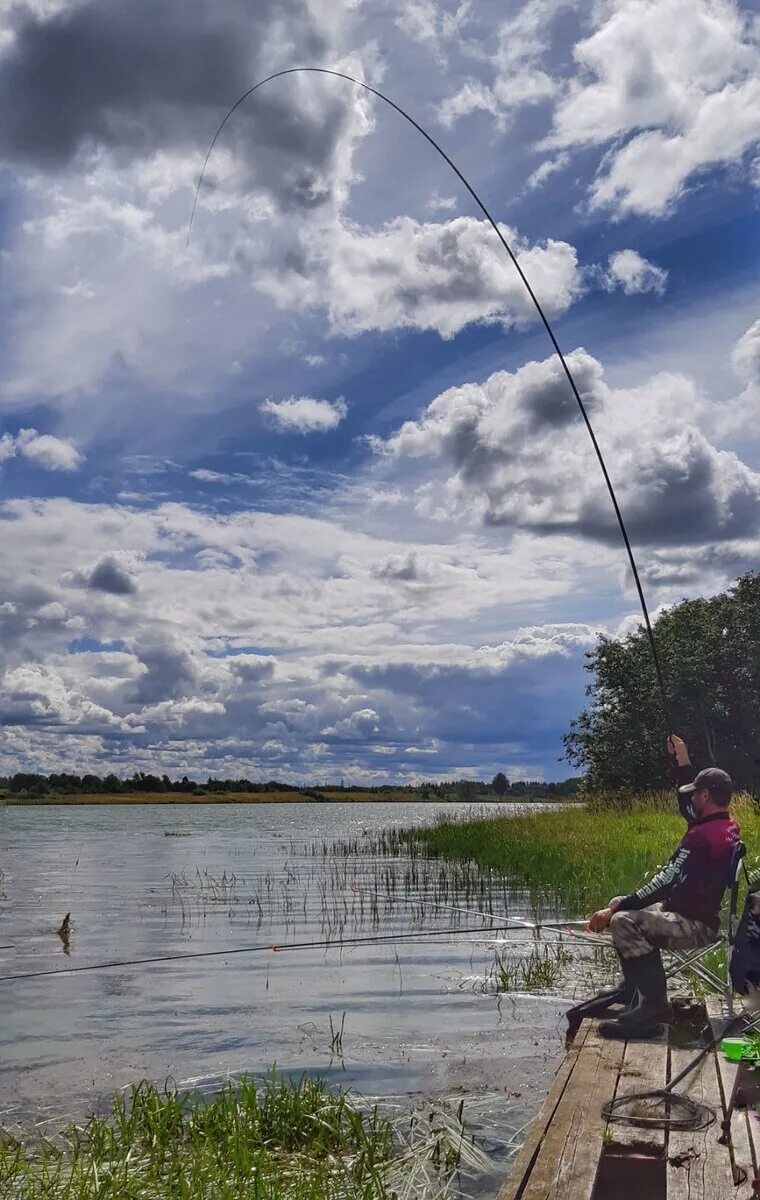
(540, 971)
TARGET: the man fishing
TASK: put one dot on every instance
(679, 908)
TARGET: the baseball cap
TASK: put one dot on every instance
(713, 778)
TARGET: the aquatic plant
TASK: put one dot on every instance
(270, 1139)
(541, 970)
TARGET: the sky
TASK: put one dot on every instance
(306, 496)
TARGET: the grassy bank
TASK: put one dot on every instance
(312, 796)
(270, 1140)
(575, 859)
(353, 797)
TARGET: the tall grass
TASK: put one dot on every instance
(254, 1140)
(575, 859)
(540, 971)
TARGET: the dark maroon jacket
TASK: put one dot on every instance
(693, 880)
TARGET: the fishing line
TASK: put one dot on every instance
(536, 303)
(514, 922)
(339, 943)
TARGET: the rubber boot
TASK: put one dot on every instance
(623, 993)
(644, 1018)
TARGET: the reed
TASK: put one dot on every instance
(270, 1139)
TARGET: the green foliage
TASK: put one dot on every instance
(710, 655)
(500, 784)
(272, 1140)
(574, 860)
(539, 972)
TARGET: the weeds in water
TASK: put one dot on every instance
(540, 971)
(336, 1036)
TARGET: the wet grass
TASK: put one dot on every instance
(268, 1140)
(540, 971)
(573, 860)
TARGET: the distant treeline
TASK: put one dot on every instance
(65, 784)
(500, 787)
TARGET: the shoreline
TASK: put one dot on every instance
(171, 798)
(328, 797)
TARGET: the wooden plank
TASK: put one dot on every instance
(699, 1167)
(514, 1184)
(645, 1068)
(567, 1163)
(753, 1128)
(743, 1151)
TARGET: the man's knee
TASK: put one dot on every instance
(620, 924)
(626, 934)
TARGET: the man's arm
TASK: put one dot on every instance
(660, 885)
(685, 773)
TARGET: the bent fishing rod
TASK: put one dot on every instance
(337, 943)
(498, 925)
(523, 277)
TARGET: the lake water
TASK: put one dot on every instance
(417, 1017)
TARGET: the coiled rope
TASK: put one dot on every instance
(681, 1112)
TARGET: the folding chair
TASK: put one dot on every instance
(693, 961)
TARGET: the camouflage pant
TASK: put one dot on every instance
(637, 933)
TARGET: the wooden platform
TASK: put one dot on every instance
(572, 1153)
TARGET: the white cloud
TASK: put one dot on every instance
(420, 611)
(322, 595)
(360, 725)
(438, 203)
(631, 272)
(441, 276)
(737, 416)
(431, 24)
(745, 358)
(42, 449)
(114, 298)
(545, 170)
(36, 694)
(520, 457)
(674, 85)
(303, 414)
(107, 287)
(519, 75)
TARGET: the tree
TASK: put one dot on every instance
(24, 781)
(710, 656)
(466, 790)
(500, 784)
